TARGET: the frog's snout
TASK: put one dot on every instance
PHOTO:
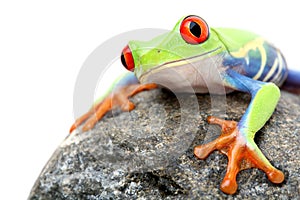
(127, 58)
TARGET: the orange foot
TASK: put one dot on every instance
(118, 98)
(241, 151)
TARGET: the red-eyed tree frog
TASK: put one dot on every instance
(208, 59)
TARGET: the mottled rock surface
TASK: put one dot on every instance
(148, 153)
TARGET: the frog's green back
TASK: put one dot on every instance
(234, 39)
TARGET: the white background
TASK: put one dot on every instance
(43, 45)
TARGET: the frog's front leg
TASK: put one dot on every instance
(237, 139)
(118, 98)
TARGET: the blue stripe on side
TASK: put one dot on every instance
(274, 68)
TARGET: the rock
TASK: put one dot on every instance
(148, 153)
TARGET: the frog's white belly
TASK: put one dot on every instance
(203, 76)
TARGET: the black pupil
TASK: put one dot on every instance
(123, 60)
(195, 29)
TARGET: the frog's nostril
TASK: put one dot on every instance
(127, 59)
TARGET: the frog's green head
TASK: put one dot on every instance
(191, 39)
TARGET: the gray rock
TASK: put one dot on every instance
(148, 153)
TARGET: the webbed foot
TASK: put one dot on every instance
(242, 153)
(118, 98)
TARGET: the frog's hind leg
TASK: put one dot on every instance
(292, 83)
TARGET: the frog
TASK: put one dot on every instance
(196, 58)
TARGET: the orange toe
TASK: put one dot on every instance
(242, 154)
(118, 98)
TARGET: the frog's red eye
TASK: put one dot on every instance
(194, 30)
(127, 59)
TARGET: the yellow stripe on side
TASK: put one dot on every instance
(253, 45)
(280, 66)
(272, 70)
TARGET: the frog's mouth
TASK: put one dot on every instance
(165, 69)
